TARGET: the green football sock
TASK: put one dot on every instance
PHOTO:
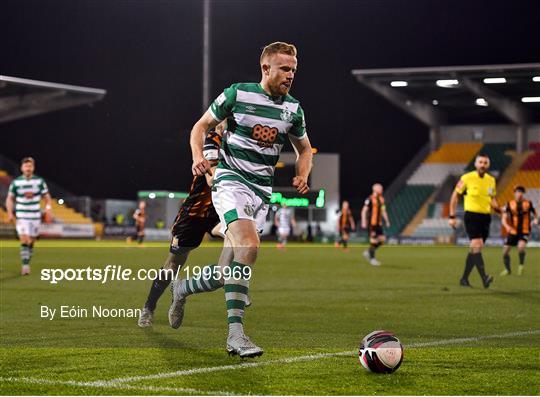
(236, 295)
(25, 254)
(207, 281)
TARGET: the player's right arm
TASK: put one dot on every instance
(10, 205)
(218, 111)
(452, 221)
(460, 188)
(363, 216)
(504, 218)
(200, 165)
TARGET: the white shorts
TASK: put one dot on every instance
(28, 227)
(234, 200)
(284, 231)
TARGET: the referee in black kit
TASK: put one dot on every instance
(479, 190)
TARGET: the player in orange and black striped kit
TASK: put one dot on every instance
(518, 217)
(373, 213)
(140, 219)
(196, 217)
(345, 224)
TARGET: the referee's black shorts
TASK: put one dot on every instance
(477, 225)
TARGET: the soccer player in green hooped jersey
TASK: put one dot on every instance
(23, 204)
(260, 117)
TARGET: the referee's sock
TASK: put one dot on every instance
(479, 261)
(469, 265)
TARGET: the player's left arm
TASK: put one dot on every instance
(534, 214)
(293, 221)
(494, 203)
(47, 196)
(352, 222)
(385, 216)
(304, 162)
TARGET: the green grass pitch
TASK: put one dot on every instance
(311, 307)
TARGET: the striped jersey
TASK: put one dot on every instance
(345, 219)
(28, 193)
(375, 204)
(257, 128)
(519, 215)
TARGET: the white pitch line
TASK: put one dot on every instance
(310, 357)
(169, 390)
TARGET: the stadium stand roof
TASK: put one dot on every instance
(21, 98)
(461, 94)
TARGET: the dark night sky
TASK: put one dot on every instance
(148, 56)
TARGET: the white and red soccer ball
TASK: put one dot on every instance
(381, 352)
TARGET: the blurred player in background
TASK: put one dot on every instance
(345, 225)
(518, 217)
(372, 215)
(196, 217)
(479, 190)
(23, 204)
(261, 116)
(140, 219)
(284, 220)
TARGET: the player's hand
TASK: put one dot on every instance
(301, 185)
(453, 223)
(508, 229)
(10, 217)
(535, 221)
(201, 166)
(364, 225)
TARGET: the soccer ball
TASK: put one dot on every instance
(381, 352)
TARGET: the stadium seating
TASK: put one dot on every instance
(61, 213)
(498, 157)
(528, 175)
(405, 205)
(450, 159)
(454, 159)
(64, 214)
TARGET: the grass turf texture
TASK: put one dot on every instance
(307, 300)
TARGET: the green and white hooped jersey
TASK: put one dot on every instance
(28, 193)
(257, 128)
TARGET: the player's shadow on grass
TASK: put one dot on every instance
(171, 348)
(6, 276)
(164, 340)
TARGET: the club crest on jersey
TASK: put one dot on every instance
(286, 115)
(249, 210)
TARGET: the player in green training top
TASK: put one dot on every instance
(260, 117)
(23, 203)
